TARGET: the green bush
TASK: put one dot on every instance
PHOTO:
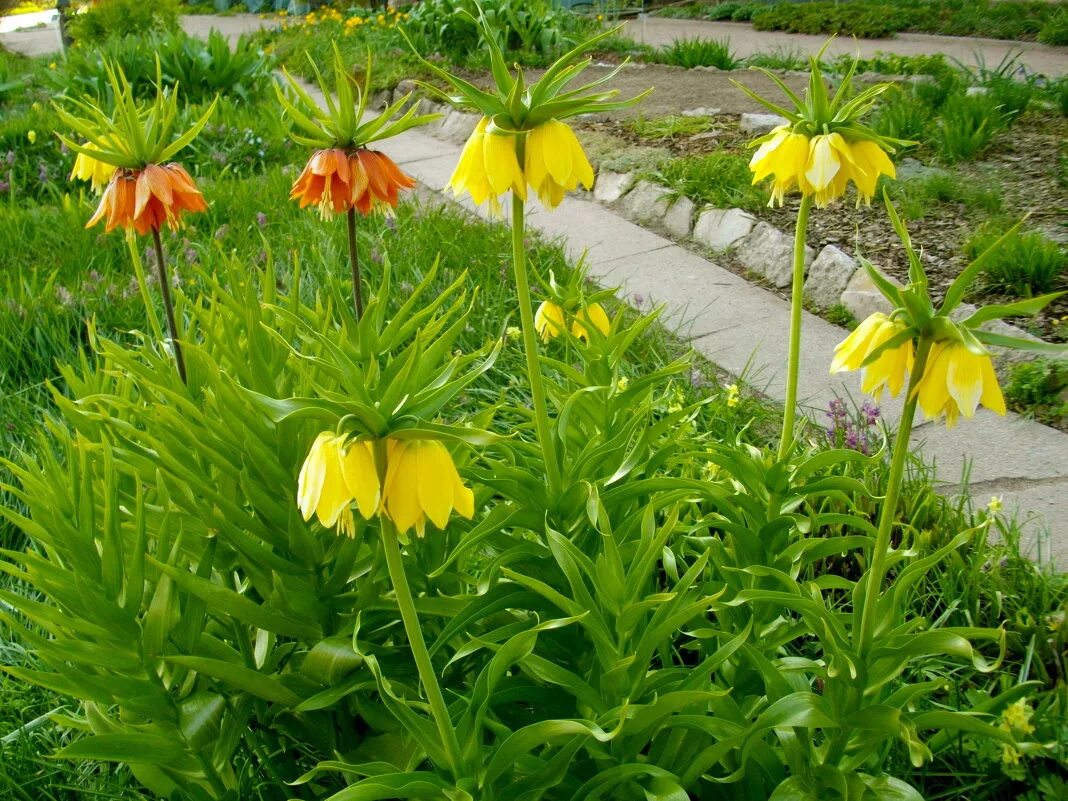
(1027, 264)
(966, 126)
(1055, 31)
(899, 116)
(119, 18)
(864, 20)
(690, 53)
(1039, 389)
(721, 180)
(203, 68)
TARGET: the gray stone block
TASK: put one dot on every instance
(611, 186)
(646, 202)
(760, 123)
(679, 220)
(862, 298)
(768, 252)
(828, 276)
(719, 229)
(457, 126)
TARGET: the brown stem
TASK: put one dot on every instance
(168, 305)
(354, 264)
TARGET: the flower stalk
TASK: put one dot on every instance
(354, 264)
(168, 304)
(888, 514)
(423, 663)
(530, 347)
(796, 308)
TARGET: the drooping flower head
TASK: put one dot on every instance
(568, 308)
(87, 168)
(956, 373)
(422, 484)
(129, 153)
(823, 146)
(522, 140)
(343, 172)
(335, 475)
(891, 369)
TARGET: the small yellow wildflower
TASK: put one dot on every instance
(733, 396)
(32, 136)
(513, 332)
(1017, 718)
(995, 505)
(622, 383)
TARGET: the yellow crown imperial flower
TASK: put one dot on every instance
(488, 167)
(890, 368)
(549, 320)
(334, 475)
(823, 146)
(555, 162)
(97, 173)
(521, 130)
(957, 380)
(595, 314)
(421, 484)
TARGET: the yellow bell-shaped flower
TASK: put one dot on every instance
(595, 314)
(97, 173)
(488, 167)
(785, 156)
(956, 381)
(549, 320)
(889, 371)
(555, 162)
(422, 483)
(333, 476)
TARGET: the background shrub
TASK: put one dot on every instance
(690, 53)
(966, 126)
(1055, 31)
(1027, 264)
(117, 18)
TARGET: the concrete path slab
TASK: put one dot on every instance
(746, 41)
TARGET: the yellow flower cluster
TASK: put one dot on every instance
(890, 370)
(420, 483)
(1016, 719)
(734, 396)
(819, 166)
(554, 164)
(549, 321)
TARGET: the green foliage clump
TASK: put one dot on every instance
(1039, 389)
(901, 117)
(893, 64)
(1055, 30)
(864, 20)
(720, 179)
(120, 18)
(966, 125)
(537, 27)
(690, 53)
(203, 68)
(780, 58)
(1027, 264)
(670, 127)
(920, 195)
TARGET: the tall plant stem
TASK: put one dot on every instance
(530, 348)
(790, 412)
(354, 265)
(168, 304)
(888, 514)
(410, 618)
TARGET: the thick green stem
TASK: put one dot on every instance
(789, 414)
(530, 348)
(888, 514)
(354, 265)
(410, 618)
(168, 304)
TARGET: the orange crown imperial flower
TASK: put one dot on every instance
(146, 199)
(336, 181)
(131, 150)
(343, 173)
